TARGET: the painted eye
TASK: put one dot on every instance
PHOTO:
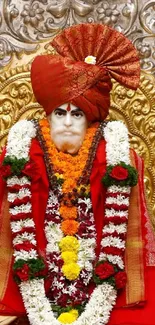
(59, 113)
(78, 114)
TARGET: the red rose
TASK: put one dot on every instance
(5, 171)
(120, 279)
(23, 273)
(104, 270)
(120, 173)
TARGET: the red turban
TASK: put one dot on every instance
(65, 77)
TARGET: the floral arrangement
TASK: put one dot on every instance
(69, 225)
(120, 174)
(18, 170)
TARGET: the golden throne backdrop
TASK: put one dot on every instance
(26, 27)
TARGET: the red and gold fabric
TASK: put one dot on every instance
(65, 77)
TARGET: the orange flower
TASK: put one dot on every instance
(46, 130)
(44, 122)
(64, 162)
(69, 227)
(68, 212)
(47, 137)
(48, 140)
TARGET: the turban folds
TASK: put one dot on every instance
(65, 77)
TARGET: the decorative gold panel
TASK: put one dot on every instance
(135, 108)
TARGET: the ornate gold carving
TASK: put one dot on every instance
(16, 99)
(27, 25)
(135, 108)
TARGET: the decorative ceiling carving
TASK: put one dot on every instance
(26, 26)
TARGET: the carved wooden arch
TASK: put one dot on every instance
(135, 108)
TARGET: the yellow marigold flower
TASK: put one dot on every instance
(71, 271)
(69, 227)
(74, 312)
(68, 212)
(69, 257)
(68, 317)
(59, 175)
(69, 243)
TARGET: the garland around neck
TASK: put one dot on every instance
(103, 298)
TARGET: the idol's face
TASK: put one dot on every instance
(68, 128)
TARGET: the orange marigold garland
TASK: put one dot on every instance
(69, 178)
(68, 212)
(69, 227)
(71, 167)
(68, 169)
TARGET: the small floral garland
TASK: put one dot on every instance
(109, 271)
(69, 257)
(18, 170)
(69, 226)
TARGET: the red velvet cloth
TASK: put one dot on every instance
(120, 315)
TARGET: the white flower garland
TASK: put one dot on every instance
(14, 180)
(103, 298)
(23, 208)
(17, 226)
(39, 311)
(117, 150)
(117, 147)
(19, 139)
(18, 146)
(23, 192)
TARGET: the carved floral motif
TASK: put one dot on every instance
(32, 14)
(108, 14)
